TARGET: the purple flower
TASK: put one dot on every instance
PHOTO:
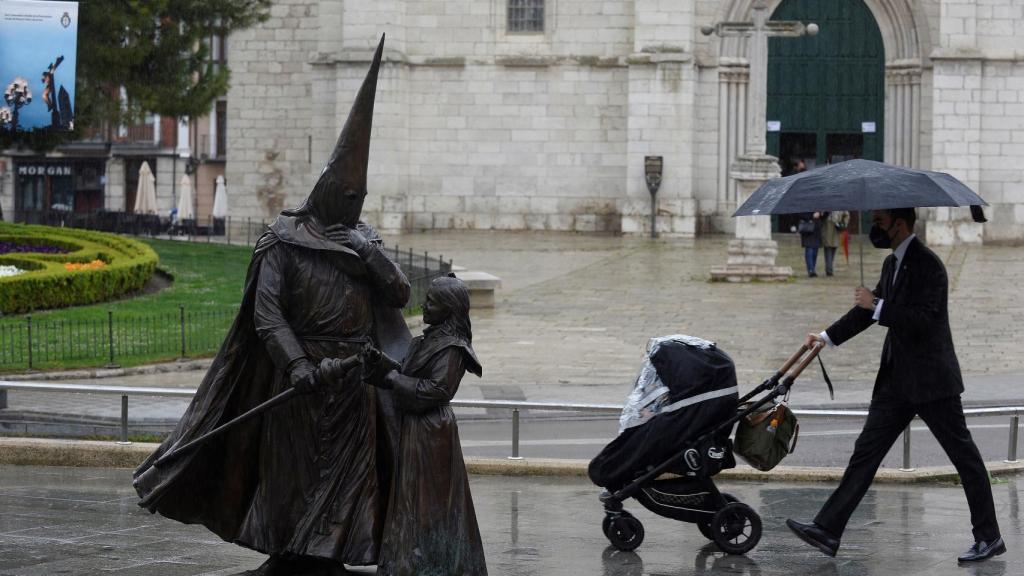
(9, 247)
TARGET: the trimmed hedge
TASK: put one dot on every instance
(47, 284)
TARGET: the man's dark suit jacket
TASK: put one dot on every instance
(918, 360)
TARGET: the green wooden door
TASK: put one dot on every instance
(831, 83)
(827, 92)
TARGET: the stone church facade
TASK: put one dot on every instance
(537, 114)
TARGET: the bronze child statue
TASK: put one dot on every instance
(431, 526)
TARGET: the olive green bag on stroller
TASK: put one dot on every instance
(764, 438)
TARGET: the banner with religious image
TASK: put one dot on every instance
(38, 57)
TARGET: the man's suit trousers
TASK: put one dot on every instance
(887, 418)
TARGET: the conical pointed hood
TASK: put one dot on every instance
(338, 194)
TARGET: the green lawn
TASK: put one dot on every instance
(148, 328)
(208, 282)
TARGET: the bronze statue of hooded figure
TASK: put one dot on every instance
(307, 482)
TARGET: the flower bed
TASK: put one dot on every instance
(8, 270)
(69, 267)
(7, 247)
(77, 266)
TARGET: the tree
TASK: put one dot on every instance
(157, 51)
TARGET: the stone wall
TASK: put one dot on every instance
(270, 110)
(7, 188)
(978, 116)
(477, 127)
(474, 127)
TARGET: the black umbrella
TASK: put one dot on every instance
(859, 185)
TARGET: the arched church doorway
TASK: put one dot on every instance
(826, 93)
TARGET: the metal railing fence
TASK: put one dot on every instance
(30, 342)
(516, 407)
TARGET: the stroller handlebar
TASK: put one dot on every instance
(804, 362)
(792, 360)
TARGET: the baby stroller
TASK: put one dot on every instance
(678, 420)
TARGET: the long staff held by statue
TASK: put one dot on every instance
(334, 368)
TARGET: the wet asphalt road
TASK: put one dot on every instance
(78, 521)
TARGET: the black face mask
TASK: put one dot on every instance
(879, 237)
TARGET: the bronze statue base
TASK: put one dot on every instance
(280, 565)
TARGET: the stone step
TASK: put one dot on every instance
(481, 287)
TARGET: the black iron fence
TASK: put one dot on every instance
(421, 270)
(30, 342)
(127, 222)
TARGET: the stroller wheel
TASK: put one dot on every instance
(624, 531)
(736, 528)
(705, 527)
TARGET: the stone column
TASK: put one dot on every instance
(752, 252)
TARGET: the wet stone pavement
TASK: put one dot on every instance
(575, 312)
(76, 521)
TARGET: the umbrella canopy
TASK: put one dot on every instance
(185, 211)
(220, 199)
(858, 185)
(145, 194)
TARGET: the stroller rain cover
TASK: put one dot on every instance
(686, 387)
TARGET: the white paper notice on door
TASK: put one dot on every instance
(867, 127)
(774, 125)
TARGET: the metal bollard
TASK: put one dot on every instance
(906, 451)
(1011, 450)
(515, 435)
(124, 420)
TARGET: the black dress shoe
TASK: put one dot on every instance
(815, 536)
(983, 551)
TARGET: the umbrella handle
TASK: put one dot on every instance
(861, 243)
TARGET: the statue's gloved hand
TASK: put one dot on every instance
(302, 374)
(349, 237)
(376, 365)
(388, 381)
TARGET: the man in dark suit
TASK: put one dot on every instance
(918, 375)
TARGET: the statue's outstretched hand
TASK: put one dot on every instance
(349, 237)
(388, 381)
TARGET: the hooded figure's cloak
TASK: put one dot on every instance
(309, 477)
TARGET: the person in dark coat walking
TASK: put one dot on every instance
(431, 524)
(918, 376)
(810, 239)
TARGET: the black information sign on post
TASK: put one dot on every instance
(652, 173)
